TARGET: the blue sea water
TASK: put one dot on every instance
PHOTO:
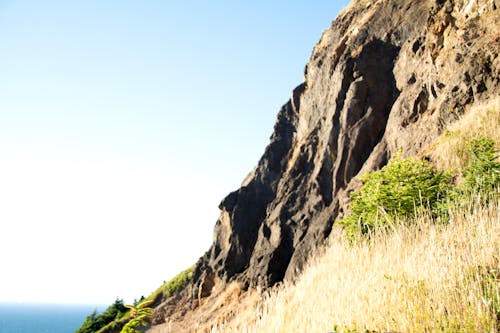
(43, 318)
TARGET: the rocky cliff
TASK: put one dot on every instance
(388, 75)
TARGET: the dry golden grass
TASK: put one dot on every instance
(447, 152)
(422, 277)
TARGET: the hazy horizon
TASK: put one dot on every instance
(124, 124)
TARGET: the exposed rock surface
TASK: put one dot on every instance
(388, 75)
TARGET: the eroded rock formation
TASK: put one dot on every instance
(388, 75)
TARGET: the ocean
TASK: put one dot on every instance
(43, 318)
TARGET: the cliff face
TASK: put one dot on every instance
(388, 75)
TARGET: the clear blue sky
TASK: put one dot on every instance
(122, 126)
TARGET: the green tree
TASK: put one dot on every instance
(90, 324)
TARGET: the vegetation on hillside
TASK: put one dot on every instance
(402, 189)
(139, 317)
(421, 276)
(406, 187)
(118, 317)
(422, 252)
(171, 287)
(94, 322)
(482, 170)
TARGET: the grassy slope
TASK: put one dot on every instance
(420, 277)
(169, 288)
(425, 277)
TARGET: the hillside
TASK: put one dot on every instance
(420, 275)
(388, 77)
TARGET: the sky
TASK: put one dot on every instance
(123, 124)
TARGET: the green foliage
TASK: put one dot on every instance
(90, 324)
(121, 317)
(95, 321)
(175, 285)
(399, 190)
(482, 171)
(139, 315)
(178, 282)
(405, 187)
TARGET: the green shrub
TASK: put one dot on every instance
(398, 190)
(482, 171)
(405, 186)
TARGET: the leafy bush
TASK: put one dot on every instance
(405, 186)
(398, 190)
(482, 171)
